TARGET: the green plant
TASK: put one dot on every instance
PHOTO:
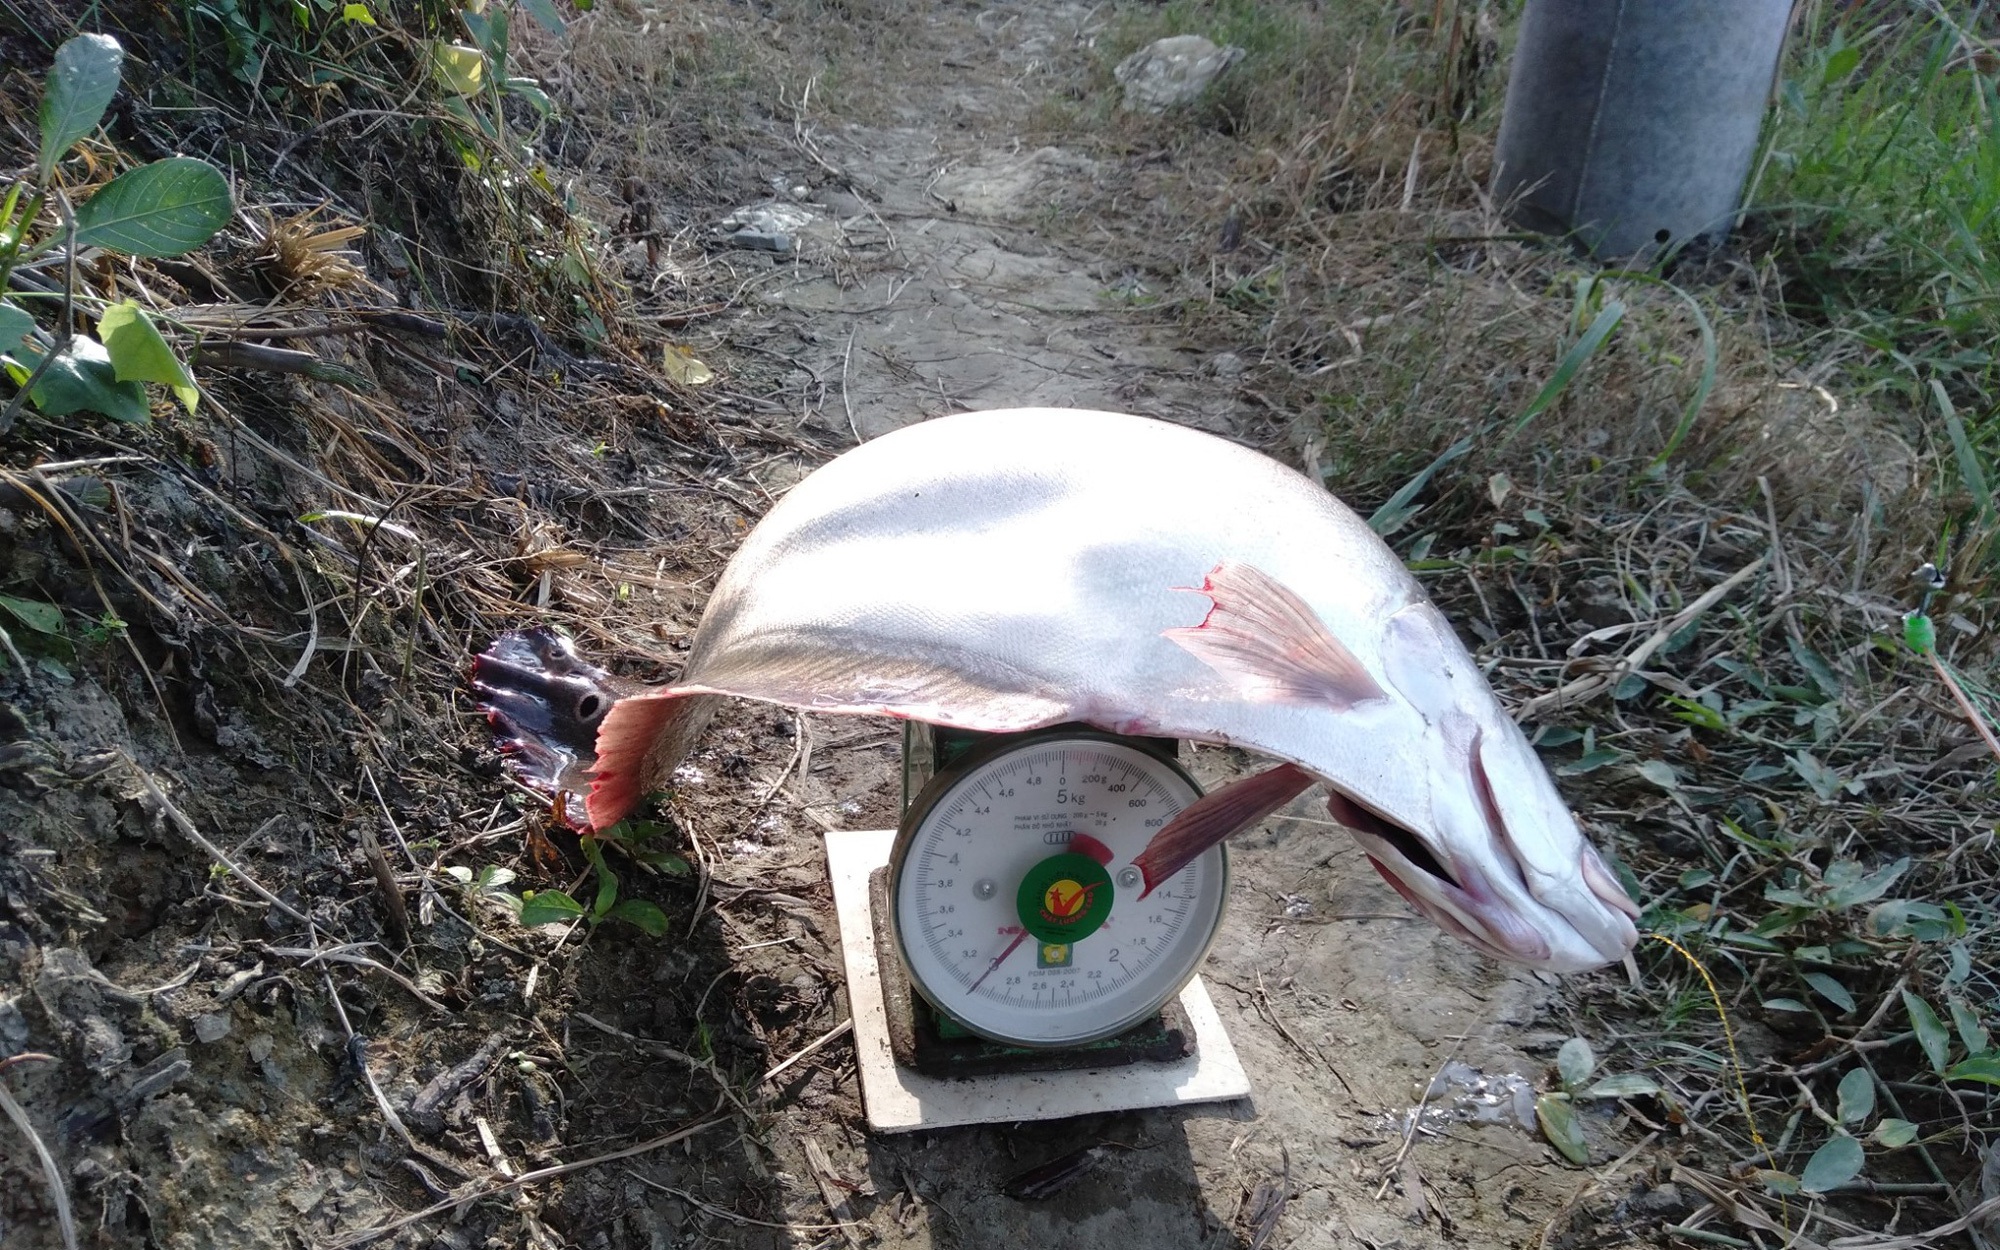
(539, 907)
(165, 208)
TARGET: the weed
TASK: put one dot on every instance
(539, 907)
(166, 208)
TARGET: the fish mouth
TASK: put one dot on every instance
(1460, 899)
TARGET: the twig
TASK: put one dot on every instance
(1416, 1118)
(836, 1032)
(366, 1235)
(19, 1116)
(311, 956)
(724, 1213)
(846, 360)
(188, 831)
(704, 1066)
(1596, 683)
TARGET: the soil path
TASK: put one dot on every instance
(945, 283)
(217, 1084)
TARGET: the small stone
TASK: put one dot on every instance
(1228, 365)
(766, 227)
(1172, 71)
(211, 1026)
(260, 1047)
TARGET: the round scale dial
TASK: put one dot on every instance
(1016, 902)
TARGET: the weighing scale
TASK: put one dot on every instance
(1001, 964)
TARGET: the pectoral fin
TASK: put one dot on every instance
(1214, 817)
(1271, 643)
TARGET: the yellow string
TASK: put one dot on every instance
(1735, 1061)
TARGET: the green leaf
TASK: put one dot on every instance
(1572, 361)
(357, 13)
(139, 354)
(81, 84)
(1833, 1165)
(1839, 65)
(1970, 1030)
(1968, 459)
(1870, 887)
(1778, 1182)
(1397, 510)
(1831, 990)
(43, 618)
(1857, 1096)
(548, 907)
(544, 12)
(460, 67)
(1786, 1004)
(167, 208)
(1575, 1062)
(1930, 1031)
(1982, 1068)
(81, 380)
(1893, 1133)
(1624, 1085)
(1660, 773)
(1558, 1121)
(637, 911)
(1591, 761)
(15, 326)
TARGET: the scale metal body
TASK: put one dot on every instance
(1001, 963)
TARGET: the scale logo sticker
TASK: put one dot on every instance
(1052, 955)
(1064, 899)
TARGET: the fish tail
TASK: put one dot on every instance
(644, 737)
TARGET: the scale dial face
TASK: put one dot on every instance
(1016, 903)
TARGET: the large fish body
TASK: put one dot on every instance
(1007, 570)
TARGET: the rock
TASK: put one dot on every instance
(211, 1026)
(1228, 365)
(767, 227)
(1172, 71)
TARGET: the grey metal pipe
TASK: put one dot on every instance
(1631, 124)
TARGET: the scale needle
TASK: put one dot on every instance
(999, 959)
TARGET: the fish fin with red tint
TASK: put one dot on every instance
(1272, 644)
(1213, 817)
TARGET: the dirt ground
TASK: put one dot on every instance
(228, 1048)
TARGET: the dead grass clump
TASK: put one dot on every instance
(1680, 529)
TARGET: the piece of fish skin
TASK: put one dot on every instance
(1007, 570)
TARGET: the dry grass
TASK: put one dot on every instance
(1328, 224)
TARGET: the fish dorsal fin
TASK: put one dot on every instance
(1271, 644)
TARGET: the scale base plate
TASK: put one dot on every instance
(899, 1098)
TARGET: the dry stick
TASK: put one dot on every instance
(704, 1066)
(1416, 1118)
(366, 1235)
(19, 1116)
(1595, 683)
(1964, 703)
(847, 359)
(724, 1213)
(833, 1034)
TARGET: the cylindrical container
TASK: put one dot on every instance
(1630, 125)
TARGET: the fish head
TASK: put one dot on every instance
(1475, 835)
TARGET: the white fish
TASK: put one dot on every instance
(1008, 570)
